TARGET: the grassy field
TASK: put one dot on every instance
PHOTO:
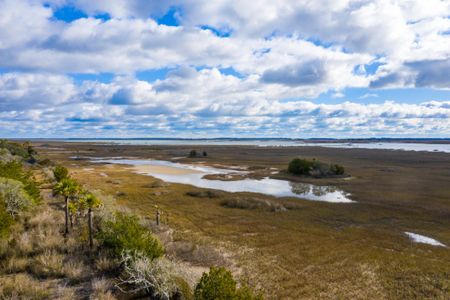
(312, 250)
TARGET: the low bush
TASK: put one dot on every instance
(14, 170)
(151, 277)
(314, 168)
(202, 194)
(13, 196)
(124, 233)
(250, 203)
(219, 284)
(6, 219)
(193, 153)
(17, 149)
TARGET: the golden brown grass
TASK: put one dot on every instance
(22, 286)
(317, 250)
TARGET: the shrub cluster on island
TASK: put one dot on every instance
(314, 168)
(194, 153)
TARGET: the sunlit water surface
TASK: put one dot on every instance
(274, 187)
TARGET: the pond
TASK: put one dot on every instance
(194, 175)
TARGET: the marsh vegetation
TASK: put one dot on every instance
(60, 240)
(322, 250)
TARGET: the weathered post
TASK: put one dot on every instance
(158, 216)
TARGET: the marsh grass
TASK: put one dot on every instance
(315, 250)
(22, 286)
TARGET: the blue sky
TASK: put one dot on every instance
(224, 68)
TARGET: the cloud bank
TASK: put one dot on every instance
(222, 68)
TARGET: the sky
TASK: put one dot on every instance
(225, 68)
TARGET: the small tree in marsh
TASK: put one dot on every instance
(68, 188)
(90, 202)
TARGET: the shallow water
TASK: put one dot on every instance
(428, 147)
(417, 238)
(274, 187)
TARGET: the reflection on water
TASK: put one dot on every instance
(320, 193)
(274, 187)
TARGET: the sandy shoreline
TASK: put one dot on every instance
(164, 170)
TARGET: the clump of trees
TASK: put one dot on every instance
(194, 153)
(314, 168)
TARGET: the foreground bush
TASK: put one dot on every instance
(14, 170)
(5, 219)
(151, 277)
(14, 197)
(125, 233)
(219, 284)
(314, 168)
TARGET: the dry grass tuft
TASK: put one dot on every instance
(22, 286)
(48, 264)
(46, 218)
(23, 244)
(76, 270)
(65, 293)
(105, 264)
(15, 264)
(101, 289)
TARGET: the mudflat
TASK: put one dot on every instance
(310, 249)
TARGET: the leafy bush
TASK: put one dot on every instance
(125, 233)
(60, 173)
(14, 148)
(219, 284)
(14, 170)
(300, 166)
(25, 150)
(6, 156)
(5, 219)
(193, 153)
(314, 168)
(14, 196)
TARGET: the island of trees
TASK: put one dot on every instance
(314, 168)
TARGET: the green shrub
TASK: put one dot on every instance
(14, 196)
(300, 166)
(314, 168)
(14, 170)
(193, 153)
(125, 233)
(6, 219)
(219, 284)
(15, 148)
(60, 173)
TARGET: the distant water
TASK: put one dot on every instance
(418, 238)
(274, 187)
(428, 147)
